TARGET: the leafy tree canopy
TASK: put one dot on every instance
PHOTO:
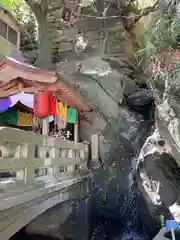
(9, 4)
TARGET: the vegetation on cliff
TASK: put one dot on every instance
(163, 50)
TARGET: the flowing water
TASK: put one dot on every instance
(132, 222)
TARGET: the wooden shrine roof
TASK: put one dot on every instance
(16, 77)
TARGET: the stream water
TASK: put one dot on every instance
(132, 220)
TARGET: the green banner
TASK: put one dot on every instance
(72, 115)
(10, 116)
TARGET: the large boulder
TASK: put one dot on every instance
(158, 178)
(104, 87)
(166, 92)
(115, 83)
(140, 98)
(169, 126)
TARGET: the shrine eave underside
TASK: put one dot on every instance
(16, 77)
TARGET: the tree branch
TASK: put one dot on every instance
(38, 7)
(146, 11)
(140, 14)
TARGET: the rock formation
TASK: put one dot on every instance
(159, 165)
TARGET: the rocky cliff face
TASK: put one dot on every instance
(159, 166)
(123, 101)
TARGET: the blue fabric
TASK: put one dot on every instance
(24, 98)
(171, 224)
(5, 104)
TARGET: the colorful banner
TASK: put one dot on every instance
(25, 98)
(61, 110)
(71, 115)
(25, 119)
(5, 103)
(7, 113)
(10, 116)
(17, 118)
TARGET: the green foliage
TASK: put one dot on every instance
(172, 87)
(144, 4)
(19, 9)
(8, 4)
(165, 31)
(161, 39)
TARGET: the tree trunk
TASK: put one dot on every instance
(45, 44)
(44, 59)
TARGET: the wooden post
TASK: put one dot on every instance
(76, 130)
(45, 127)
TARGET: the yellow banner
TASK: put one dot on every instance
(25, 119)
(61, 110)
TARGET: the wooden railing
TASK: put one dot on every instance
(24, 152)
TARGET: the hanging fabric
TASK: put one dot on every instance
(60, 123)
(25, 98)
(25, 119)
(61, 110)
(72, 115)
(5, 104)
(17, 118)
(41, 104)
(10, 116)
(52, 103)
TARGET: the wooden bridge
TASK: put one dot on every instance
(44, 171)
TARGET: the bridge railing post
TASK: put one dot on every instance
(28, 174)
(55, 152)
(84, 154)
(95, 150)
(29, 170)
